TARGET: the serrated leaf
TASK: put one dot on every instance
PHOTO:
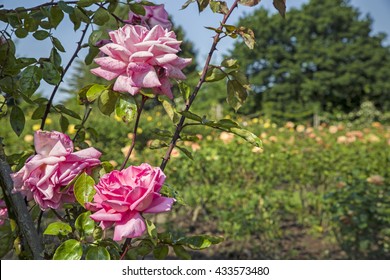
(107, 102)
(249, 3)
(41, 34)
(30, 79)
(84, 189)
(84, 224)
(181, 252)
(69, 250)
(126, 108)
(280, 5)
(97, 253)
(58, 228)
(17, 120)
(50, 73)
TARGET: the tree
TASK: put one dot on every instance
(322, 57)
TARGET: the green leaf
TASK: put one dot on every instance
(248, 35)
(84, 224)
(236, 94)
(64, 123)
(126, 108)
(137, 9)
(248, 136)
(41, 34)
(169, 108)
(181, 252)
(152, 231)
(65, 7)
(30, 24)
(168, 191)
(94, 37)
(38, 112)
(92, 53)
(185, 90)
(56, 16)
(84, 189)
(160, 252)
(214, 74)
(107, 102)
(57, 44)
(230, 63)
(55, 58)
(51, 75)
(186, 152)
(101, 17)
(86, 3)
(94, 92)
(21, 32)
(199, 242)
(106, 168)
(6, 237)
(30, 80)
(157, 144)
(58, 228)
(249, 3)
(69, 250)
(191, 116)
(219, 7)
(280, 5)
(202, 4)
(81, 13)
(188, 2)
(17, 120)
(97, 253)
(75, 19)
(61, 108)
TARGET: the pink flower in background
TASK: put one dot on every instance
(141, 58)
(3, 212)
(55, 165)
(154, 15)
(121, 197)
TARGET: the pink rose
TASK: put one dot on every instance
(3, 212)
(141, 58)
(55, 165)
(121, 197)
(154, 15)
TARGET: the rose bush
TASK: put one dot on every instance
(54, 166)
(122, 196)
(140, 58)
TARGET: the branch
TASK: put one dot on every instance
(19, 209)
(37, 7)
(139, 111)
(87, 112)
(49, 103)
(180, 125)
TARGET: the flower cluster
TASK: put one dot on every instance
(154, 15)
(121, 197)
(54, 166)
(141, 58)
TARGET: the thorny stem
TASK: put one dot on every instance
(87, 112)
(180, 125)
(40, 6)
(49, 103)
(139, 111)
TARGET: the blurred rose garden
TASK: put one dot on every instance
(279, 150)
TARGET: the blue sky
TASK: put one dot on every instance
(192, 22)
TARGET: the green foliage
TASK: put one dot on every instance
(84, 189)
(58, 228)
(69, 250)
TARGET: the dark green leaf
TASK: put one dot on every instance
(86, 3)
(38, 112)
(186, 152)
(57, 44)
(41, 34)
(84, 224)
(236, 94)
(214, 74)
(188, 2)
(64, 123)
(58, 228)
(126, 108)
(199, 242)
(30, 80)
(191, 116)
(202, 4)
(94, 37)
(84, 189)
(82, 15)
(51, 75)
(75, 19)
(69, 250)
(160, 252)
(56, 16)
(21, 32)
(92, 53)
(25, 61)
(280, 5)
(17, 120)
(137, 9)
(101, 17)
(97, 253)
(65, 7)
(6, 237)
(67, 111)
(107, 101)
(181, 252)
(30, 24)
(55, 58)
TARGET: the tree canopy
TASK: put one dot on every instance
(322, 57)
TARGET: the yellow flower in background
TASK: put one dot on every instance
(300, 128)
(149, 118)
(255, 120)
(267, 125)
(49, 121)
(139, 130)
(36, 127)
(28, 138)
(71, 129)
